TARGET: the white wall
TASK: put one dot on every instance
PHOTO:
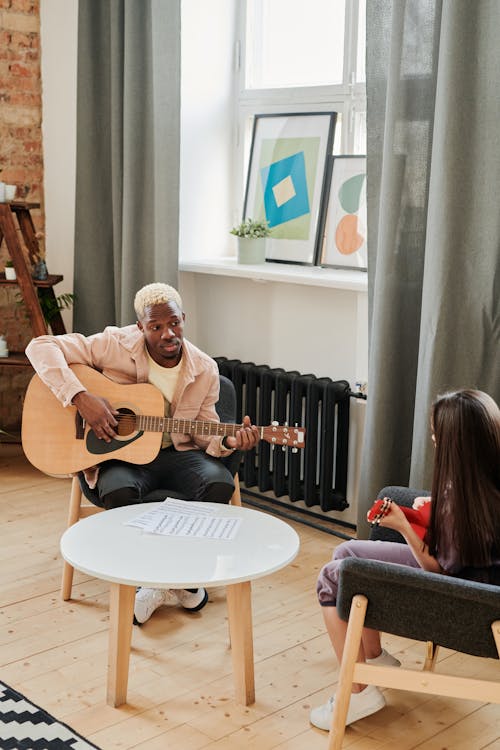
(58, 19)
(311, 329)
(207, 113)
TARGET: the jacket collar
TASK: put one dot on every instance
(132, 339)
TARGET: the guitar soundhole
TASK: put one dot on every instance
(126, 422)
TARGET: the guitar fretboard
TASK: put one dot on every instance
(184, 426)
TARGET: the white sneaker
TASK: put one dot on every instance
(367, 702)
(384, 659)
(147, 601)
(192, 600)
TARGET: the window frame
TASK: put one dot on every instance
(347, 98)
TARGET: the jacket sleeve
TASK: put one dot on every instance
(52, 355)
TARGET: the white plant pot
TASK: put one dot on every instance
(10, 192)
(10, 273)
(251, 251)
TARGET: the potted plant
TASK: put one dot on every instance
(251, 240)
(50, 306)
(10, 271)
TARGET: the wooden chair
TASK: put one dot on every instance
(81, 506)
(458, 614)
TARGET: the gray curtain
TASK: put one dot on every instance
(128, 151)
(433, 83)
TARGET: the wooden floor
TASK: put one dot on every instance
(180, 687)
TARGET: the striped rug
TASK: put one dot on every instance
(25, 726)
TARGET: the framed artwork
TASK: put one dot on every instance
(287, 179)
(344, 240)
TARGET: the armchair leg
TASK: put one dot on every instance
(73, 516)
(431, 658)
(67, 581)
(346, 675)
(75, 513)
(235, 500)
(495, 629)
(236, 496)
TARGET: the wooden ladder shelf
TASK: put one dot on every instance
(31, 289)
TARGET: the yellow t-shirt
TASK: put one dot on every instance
(165, 379)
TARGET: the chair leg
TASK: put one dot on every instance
(235, 500)
(431, 658)
(76, 512)
(495, 628)
(67, 581)
(73, 517)
(236, 496)
(351, 650)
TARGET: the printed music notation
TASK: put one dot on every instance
(182, 518)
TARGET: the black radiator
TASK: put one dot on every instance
(316, 474)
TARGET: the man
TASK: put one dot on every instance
(154, 350)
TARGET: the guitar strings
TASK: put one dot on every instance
(130, 420)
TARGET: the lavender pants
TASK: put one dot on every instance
(389, 552)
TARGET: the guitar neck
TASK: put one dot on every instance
(185, 426)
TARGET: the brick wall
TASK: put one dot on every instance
(21, 163)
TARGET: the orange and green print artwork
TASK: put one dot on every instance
(349, 235)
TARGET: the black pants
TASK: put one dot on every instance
(194, 475)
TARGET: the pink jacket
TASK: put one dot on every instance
(119, 353)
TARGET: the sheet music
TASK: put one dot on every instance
(182, 518)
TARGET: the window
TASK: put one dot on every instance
(286, 44)
(298, 56)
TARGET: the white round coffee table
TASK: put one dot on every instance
(104, 547)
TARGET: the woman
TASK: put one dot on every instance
(463, 537)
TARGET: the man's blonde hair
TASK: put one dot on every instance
(155, 294)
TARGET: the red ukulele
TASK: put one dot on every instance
(419, 519)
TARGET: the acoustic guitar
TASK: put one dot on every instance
(57, 441)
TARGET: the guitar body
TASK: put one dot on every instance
(53, 443)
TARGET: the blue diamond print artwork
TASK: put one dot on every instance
(284, 187)
(286, 181)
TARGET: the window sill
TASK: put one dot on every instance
(355, 281)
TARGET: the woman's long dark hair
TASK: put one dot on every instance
(466, 479)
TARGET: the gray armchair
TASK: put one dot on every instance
(458, 614)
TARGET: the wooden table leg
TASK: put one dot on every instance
(121, 613)
(239, 605)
